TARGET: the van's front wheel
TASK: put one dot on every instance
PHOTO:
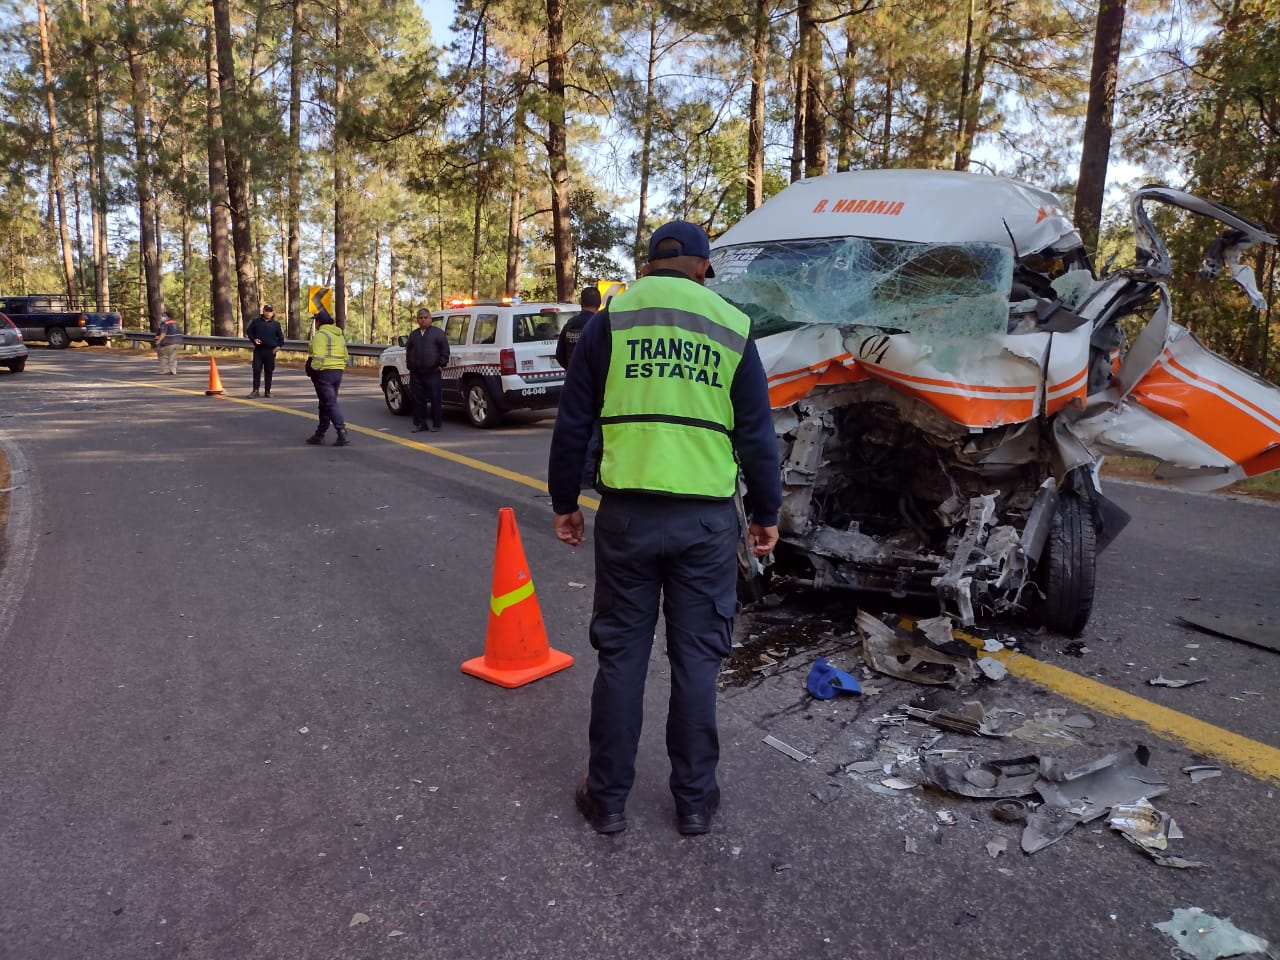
(1068, 567)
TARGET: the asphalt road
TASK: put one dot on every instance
(233, 724)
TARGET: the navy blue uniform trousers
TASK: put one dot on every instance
(327, 383)
(426, 389)
(684, 552)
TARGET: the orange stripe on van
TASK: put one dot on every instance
(1064, 394)
(1205, 413)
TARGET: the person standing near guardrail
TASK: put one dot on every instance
(426, 353)
(168, 342)
(267, 338)
(325, 361)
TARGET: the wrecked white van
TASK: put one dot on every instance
(946, 372)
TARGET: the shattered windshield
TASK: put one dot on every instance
(936, 290)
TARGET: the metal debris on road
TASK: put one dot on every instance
(1091, 789)
(992, 779)
(1162, 681)
(997, 846)
(1206, 937)
(1046, 825)
(1009, 810)
(1199, 772)
(889, 652)
(789, 750)
(946, 818)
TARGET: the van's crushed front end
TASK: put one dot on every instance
(945, 371)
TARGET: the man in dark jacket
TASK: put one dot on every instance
(590, 303)
(267, 337)
(425, 353)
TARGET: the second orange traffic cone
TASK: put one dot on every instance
(516, 651)
(215, 381)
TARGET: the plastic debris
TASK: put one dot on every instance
(1162, 681)
(997, 846)
(864, 766)
(992, 668)
(1255, 632)
(946, 818)
(826, 681)
(909, 844)
(1046, 825)
(996, 778)
(786, 748)
(887, 651)
(1206, 937)
(358, 919)
(1200, 772)
(1090, 789)
(825, 793)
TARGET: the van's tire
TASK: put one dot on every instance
(482, 408)
(57, 338)
(1067, 569)
(394, 392)
(17, 366)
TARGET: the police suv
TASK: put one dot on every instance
(502, 357)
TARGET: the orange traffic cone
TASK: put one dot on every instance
(515, 646)
(215, 381)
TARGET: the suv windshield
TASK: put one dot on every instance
(544, 324)
(942, 290)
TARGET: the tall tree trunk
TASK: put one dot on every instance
(557, 153)
(237, 163)
(963, 146)
(886, 143)
(639, 246)
(800, 72)
(340, 166)
(293, 270)
(142, 170)
(511, 285)
(1096, 147)
(55, 156)
(848, 94)
(755, 124)
(815, 109)
(222, 321)
(97, 169)
(393, 282)
(482, 158)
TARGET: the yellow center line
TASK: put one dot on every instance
(1250, 756)
(1253, 757)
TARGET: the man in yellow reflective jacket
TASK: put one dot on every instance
(672, 376)
(325, 362)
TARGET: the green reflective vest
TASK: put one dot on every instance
(667, 413)
(328, 348)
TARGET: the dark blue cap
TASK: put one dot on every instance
(691, 238)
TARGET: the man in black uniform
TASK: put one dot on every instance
(568, 339)
(672, 376)
(425, 353)
(267, 338)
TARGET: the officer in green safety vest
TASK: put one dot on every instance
(325, 362)
(671, 374)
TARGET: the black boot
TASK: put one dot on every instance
(316, 438)
(342, 440)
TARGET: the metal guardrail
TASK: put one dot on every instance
(240, 343)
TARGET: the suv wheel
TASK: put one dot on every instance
(58, 338)
(394, 392)
(482, 411)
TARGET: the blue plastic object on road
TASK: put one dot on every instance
(825, 681)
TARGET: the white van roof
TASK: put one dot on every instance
(926, 206)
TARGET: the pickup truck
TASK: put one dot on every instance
(59, 319)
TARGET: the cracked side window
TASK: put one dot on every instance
(939, 291)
